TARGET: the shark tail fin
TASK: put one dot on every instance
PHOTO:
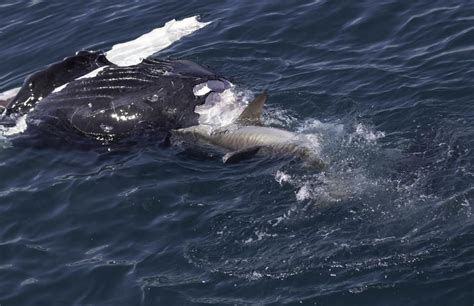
(253, 112)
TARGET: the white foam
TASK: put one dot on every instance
(222, 108)
(339, 182)
(133, 52)
(282, 177)
(20, 127)
(326, 188)
(367, 133)
(304, 193)
(315, 126)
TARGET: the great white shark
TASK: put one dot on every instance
(247, 137)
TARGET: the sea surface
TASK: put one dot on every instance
(385, 92)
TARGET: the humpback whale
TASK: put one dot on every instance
(109, 95)
(153, 96)
(246, 137)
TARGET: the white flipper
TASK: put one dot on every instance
(133, 52)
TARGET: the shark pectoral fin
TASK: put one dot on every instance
(252, 113)
(237, 156)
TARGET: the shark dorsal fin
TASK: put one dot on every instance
(252, 113)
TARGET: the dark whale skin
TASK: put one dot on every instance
(40, 84)
(150, 98)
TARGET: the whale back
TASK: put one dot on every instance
(155, 95)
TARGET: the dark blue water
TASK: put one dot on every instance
(386, 87)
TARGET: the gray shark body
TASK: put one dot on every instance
(247, 137)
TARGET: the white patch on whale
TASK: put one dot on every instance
(222, 108)
(133, 52)
(223, 105)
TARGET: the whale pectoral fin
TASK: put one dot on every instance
(240, 155)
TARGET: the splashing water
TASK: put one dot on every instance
(222, 108)
(348, 151)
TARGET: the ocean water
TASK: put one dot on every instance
(382, 89)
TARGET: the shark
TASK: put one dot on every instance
(247, 137)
